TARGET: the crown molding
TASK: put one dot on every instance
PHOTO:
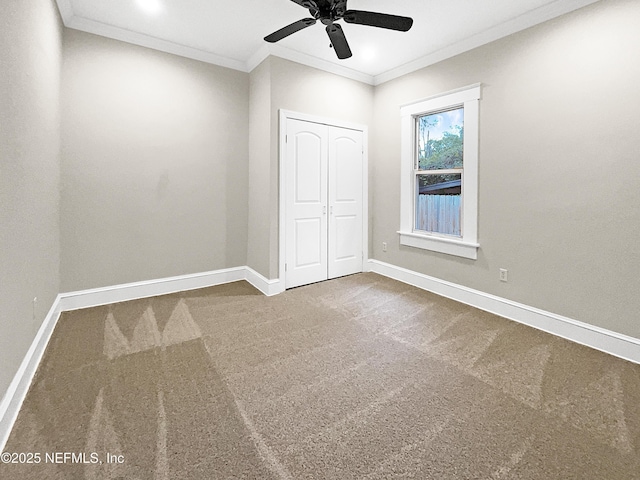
(258, 57)
(522, 22)
(72, 21)
(66, 10)
(308, 60)
(116, 33)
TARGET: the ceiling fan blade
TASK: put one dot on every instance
(306, 3)
(339, 41)
(382, 20)
(289, 29)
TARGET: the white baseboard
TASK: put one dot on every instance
(17, 391)
(19, 386)
(617, 344)
(148, 288)
(268, 287)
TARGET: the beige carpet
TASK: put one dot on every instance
(356, 378)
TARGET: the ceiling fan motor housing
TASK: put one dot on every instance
(327, 11)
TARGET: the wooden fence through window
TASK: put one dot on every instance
(438, 214)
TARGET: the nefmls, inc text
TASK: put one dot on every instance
(85, 458)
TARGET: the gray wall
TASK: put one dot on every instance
(559, 166)
(30, 56)
(259, 167)
(154, 164)
(302, 89)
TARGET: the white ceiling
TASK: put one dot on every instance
(230, 32)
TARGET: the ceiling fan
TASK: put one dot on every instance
(330, 11)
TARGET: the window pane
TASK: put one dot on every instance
(440, 139)
(438, 203)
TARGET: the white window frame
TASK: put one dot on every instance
(467, 245)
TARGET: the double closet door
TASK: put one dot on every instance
(324, 204)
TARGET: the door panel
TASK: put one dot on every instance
(346, 228)
(323, 201)
(345, 201)
(308, 168)
(307, 242)
(306, 203)
(347, 167)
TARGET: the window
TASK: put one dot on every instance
(440, 173)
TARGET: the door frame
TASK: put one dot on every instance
(285, 115)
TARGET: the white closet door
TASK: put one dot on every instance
(345, 202)
(306, 203)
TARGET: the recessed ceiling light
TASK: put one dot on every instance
(150, 6)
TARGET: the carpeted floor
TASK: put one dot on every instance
(355, 378)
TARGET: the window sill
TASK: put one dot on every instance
(449, 246)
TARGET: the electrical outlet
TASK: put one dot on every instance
(504, 275)
(384, 246)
